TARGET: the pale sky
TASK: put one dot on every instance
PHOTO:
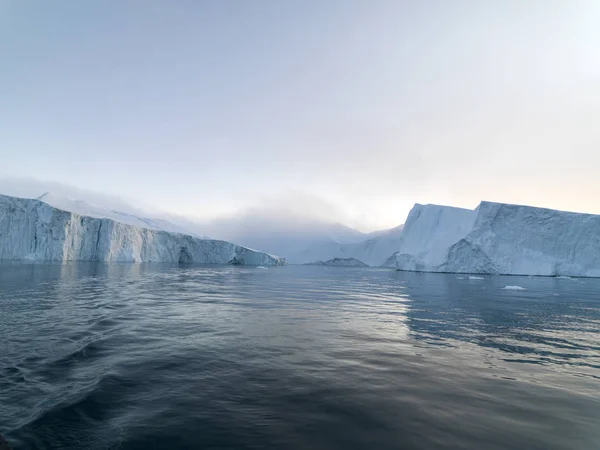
(207, 107)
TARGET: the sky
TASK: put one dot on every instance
(357, 109)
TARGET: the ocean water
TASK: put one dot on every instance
(97, 356)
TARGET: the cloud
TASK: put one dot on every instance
(294, 205)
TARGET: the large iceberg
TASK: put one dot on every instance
(498, 238)
(33, 230)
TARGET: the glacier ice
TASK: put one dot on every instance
(342, 262)
(33, 230)
(498, 238)
(136, 219)
(429, 230)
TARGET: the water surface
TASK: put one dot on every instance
(97, 356)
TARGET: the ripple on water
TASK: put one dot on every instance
(143, 356)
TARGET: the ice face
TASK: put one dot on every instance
(501, 238)
(33, 230)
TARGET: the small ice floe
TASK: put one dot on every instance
(513, 288)
(563, 277)
(261, 267)
(472, 277)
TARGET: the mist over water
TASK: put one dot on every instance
(96, 356)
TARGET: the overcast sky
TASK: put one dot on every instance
(206, 107)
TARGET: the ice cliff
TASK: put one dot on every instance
(33, 230)
(499, 238)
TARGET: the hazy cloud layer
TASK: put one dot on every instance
(343, 110)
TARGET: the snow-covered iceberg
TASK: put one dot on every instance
(33, 230)
(134, 218)
(498, 238)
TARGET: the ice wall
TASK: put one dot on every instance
(500, 238)
(33, 230)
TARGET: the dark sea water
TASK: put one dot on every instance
(168, 357)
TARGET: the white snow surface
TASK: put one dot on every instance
(498, 238)
(84, 208)
(33, 230)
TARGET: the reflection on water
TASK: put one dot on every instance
(552, 322)
(159, 356)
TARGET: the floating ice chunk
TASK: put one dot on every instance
(513, 288)
(475, 278)
(261, 267)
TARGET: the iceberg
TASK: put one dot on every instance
(514, 288)
(34, 230)
(342, 262)
(498, 238)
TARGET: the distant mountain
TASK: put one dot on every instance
(281, 234)
(314, 242)
(374, 251)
